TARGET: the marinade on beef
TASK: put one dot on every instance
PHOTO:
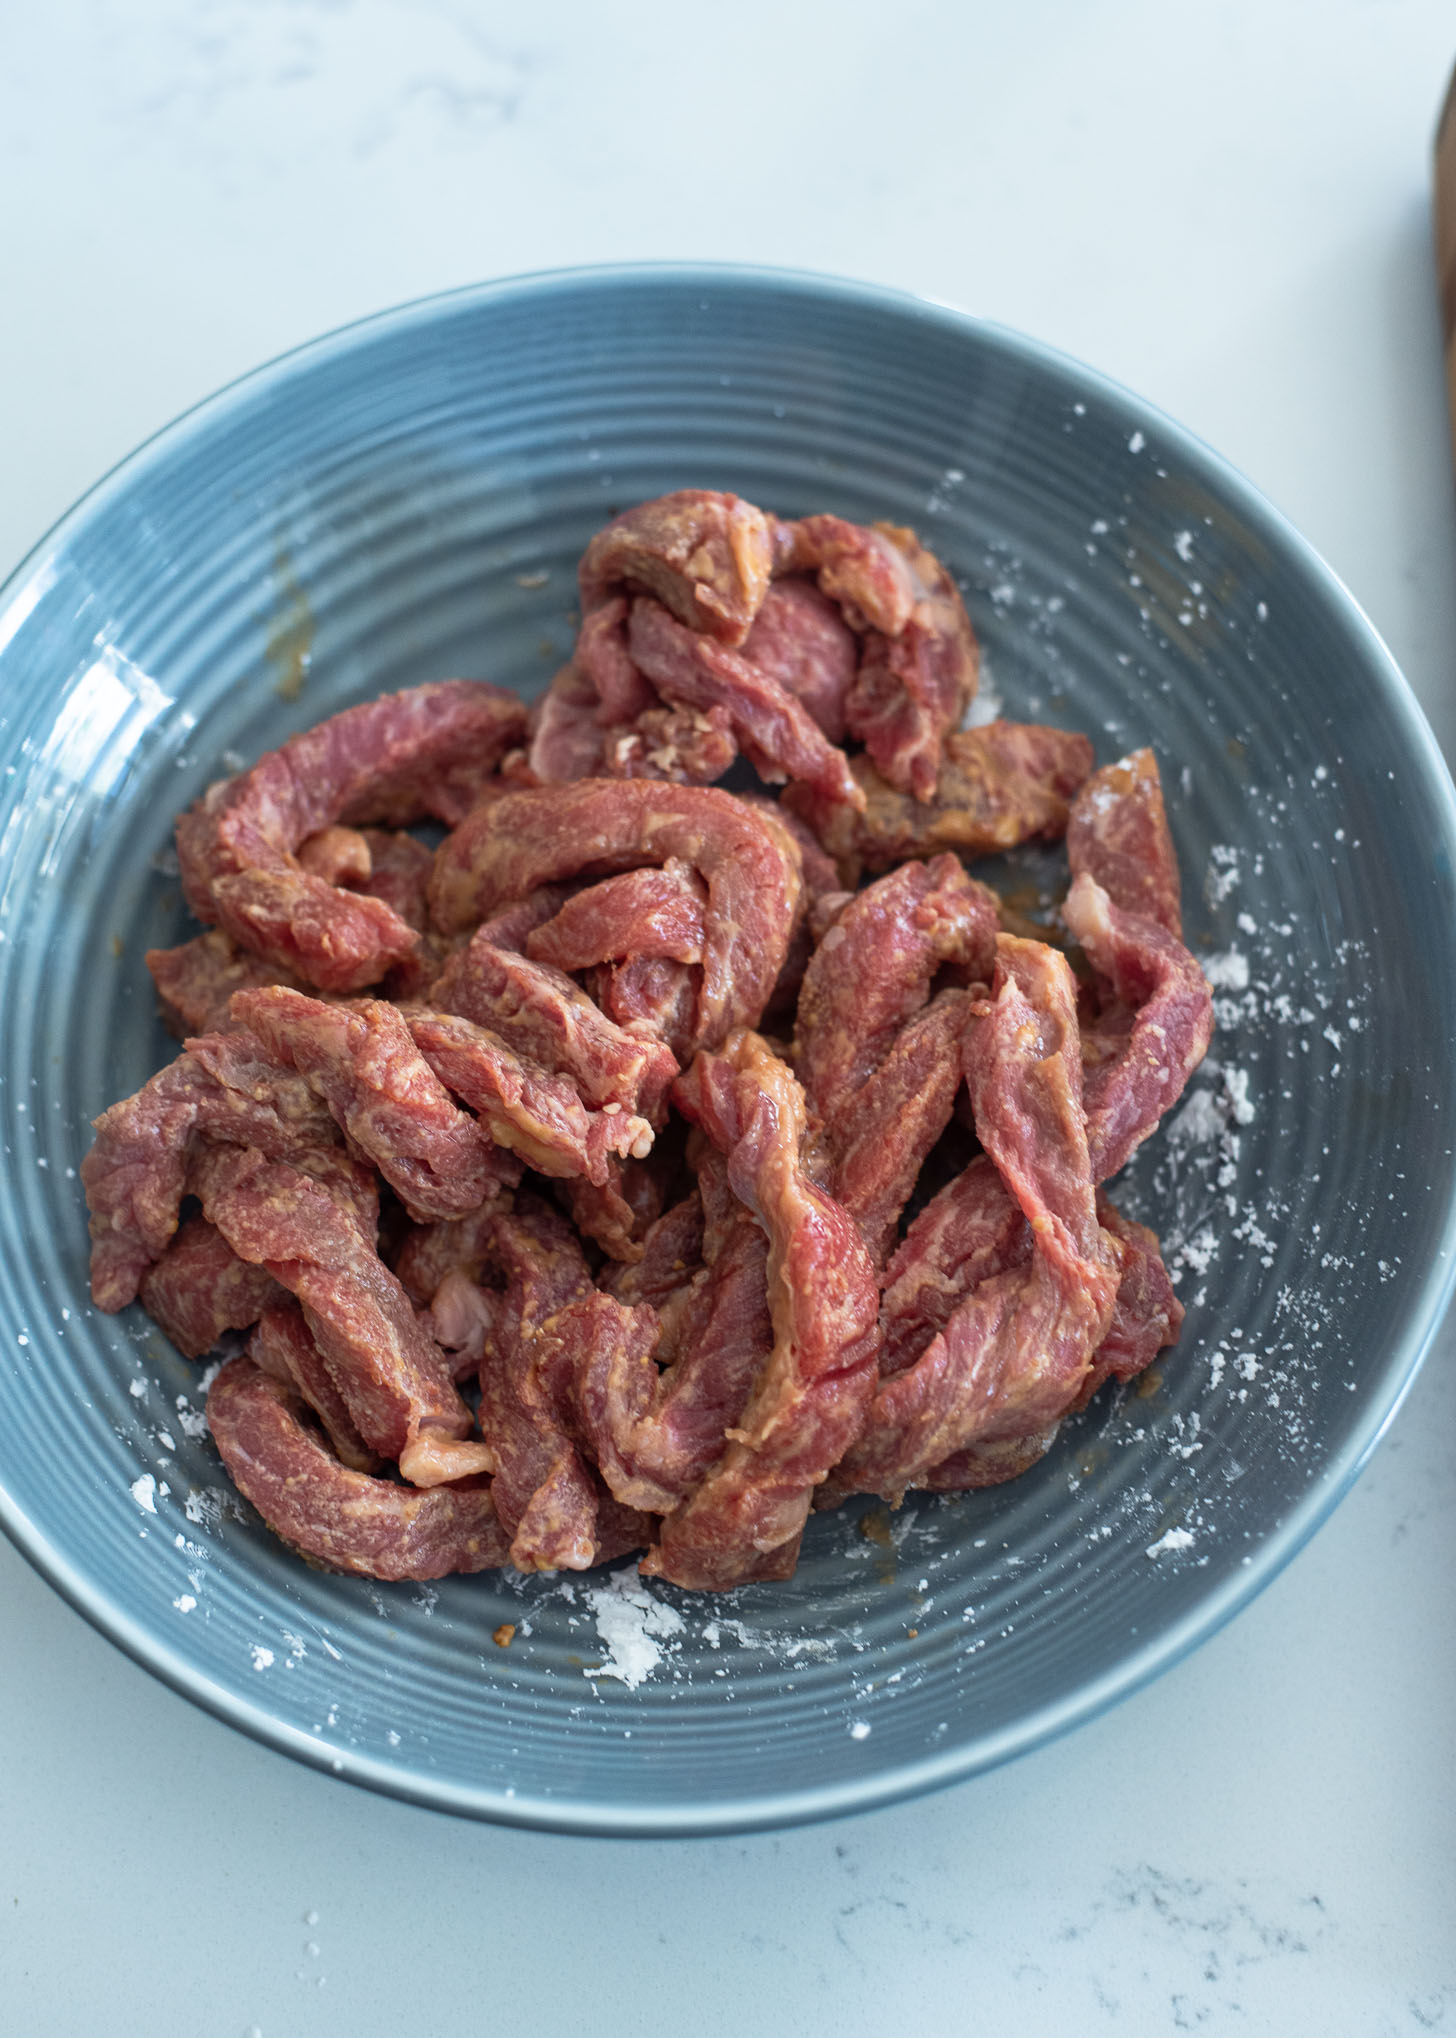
(1160, 989)
(672, 1249)
(393, 1108)
(918, 659)
(399, 873)
(336, 1517)
(390, 761)
(340, 856)
(1012, 1358)
(199, 1288)
(600, 718)
(1000, 784)
(974, 1229)
(615, 1213)
(506, 849)
(1146, 1317)
(705, 556)
(392, 1376)
(810, 1394)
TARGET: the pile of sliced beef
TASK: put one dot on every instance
(650, 1163)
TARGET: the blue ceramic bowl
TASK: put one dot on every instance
(406, 500)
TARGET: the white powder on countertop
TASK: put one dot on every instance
(631, 1625)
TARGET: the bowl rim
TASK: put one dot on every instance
(1406, 1352)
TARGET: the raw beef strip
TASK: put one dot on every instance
(707, 557)
(802, 643)
(391, 761)
(393, 1108)
(549, 1499)
(882, 1070)
(195, 980)
(1013, 1357)
(199, 1288)
(914, 686)
(566, 738)
(656, 912)
(521, 1106)
(973, 1228)
(1147, 1316)
(283, 1346)
(541, 1014)
(391, 1374)
(602, 659)
(874, 967)
(651, 995)
(672, 1251)
(1136, 1071)
(1154, 1011)
(1118, 833)
(1001, 784)
(656, 1434)
(820, 877)
(879, 1139)
(223, 1087)
(617, 1212)
(771, 724)
(339, 1518)
(601, 718)
(857, 566)
(810, 1395)
(597, 827)
(431, 1251)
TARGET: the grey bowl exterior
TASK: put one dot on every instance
(405, 500)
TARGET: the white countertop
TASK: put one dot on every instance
(1225, 208)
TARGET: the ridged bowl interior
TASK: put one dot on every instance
(405, 501)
